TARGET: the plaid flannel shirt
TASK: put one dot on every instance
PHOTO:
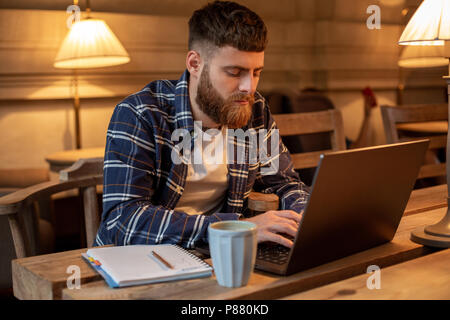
(142, 185)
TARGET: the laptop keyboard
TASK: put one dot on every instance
(274, 253)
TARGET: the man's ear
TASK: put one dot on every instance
(194, 63)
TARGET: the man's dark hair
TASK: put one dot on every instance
(224, 23)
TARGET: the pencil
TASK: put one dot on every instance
(157, 256)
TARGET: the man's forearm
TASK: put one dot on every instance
(145, 223)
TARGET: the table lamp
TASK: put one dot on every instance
(90, 43)
(430, 25)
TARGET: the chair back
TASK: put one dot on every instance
(291, 126)
(394, 120)
(296, 124)
(84, 175)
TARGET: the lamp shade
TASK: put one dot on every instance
(422, 57)
(90, 43)
(430, 24)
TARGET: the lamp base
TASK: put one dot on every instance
(420, 236)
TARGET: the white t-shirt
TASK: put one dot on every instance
(206, 181)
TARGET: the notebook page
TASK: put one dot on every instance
(179, 258)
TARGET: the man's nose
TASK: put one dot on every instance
(248, 84)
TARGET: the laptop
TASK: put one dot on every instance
(357, 200)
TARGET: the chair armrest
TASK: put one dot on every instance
(12, 202)
(82, 168)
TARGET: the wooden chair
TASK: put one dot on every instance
(12, 180)
(309, 125)
(83, 175)
(393, 117)
(295, 124)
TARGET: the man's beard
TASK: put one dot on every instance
(223, 111)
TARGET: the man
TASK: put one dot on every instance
(151, 193)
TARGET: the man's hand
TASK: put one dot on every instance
(271, 223)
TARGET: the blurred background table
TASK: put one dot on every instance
(63, 159)
(432, 127)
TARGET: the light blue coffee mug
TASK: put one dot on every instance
(232, 245)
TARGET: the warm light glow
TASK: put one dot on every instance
(422, 57)
(430, 24)
(90, 44)
(392, 3)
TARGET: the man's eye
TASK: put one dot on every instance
(234, 74)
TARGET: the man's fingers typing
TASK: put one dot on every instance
(289, 214)
(284, 228)
(272, 224)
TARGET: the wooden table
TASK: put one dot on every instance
(427, 199)
(426, 277)
(64, 159)
(44, 277)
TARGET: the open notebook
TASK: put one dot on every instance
(134, 265)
